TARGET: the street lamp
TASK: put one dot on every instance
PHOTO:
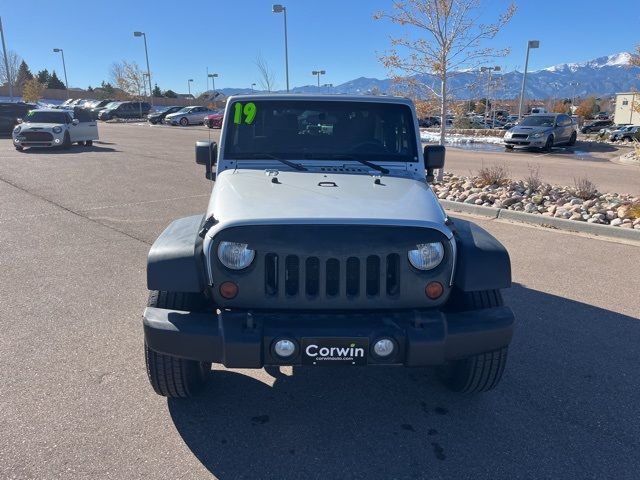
(253, 87)
(328, 86)
(486, 105)
(213, 77)
(573, 93)
(6, 62)
(64, 67)
(189, 85)
(146, 54)
(531, 44)
(318, 73)
(277, 8)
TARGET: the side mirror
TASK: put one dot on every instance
(75, 121)
(207, 155)
(18, 120)
(433, 159)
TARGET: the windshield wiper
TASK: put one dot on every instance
(351, 157)
(258, 156)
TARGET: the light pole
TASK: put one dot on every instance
(328, 86)
(64, 66)
(277, 8)
(530, 44)
(189, 85)
(253, 87)
(146, 54)
(486, 105)
(6, 63)
(317, 73)
(573, 94)
(213, 77)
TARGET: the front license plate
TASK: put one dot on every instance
(335, 351)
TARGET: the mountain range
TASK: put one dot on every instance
(601, 76)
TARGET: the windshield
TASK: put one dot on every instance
(184, 110)
(112, 105)
(538, 121)
(35, 116)
(331, 130)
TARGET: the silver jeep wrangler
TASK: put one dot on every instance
(323, 244)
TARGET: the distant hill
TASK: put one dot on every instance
(602, 76)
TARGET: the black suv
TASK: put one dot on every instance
(10, 113)
(126, 110)
(596, 126)
(95, 108)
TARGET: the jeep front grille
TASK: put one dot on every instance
(313, 277)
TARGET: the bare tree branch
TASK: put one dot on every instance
(10, 77)
(267, 76)
(129, 78)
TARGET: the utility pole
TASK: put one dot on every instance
(530, 44)
(6, 62)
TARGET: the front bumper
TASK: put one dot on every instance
(241, 339)
(526, 142)
(56, 140)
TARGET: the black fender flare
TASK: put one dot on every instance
(482, 262)
(175, 260)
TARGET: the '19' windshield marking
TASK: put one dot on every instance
(249, 110)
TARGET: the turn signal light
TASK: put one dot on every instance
(228, 290)
(433, 290)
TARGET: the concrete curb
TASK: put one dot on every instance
(542, 220)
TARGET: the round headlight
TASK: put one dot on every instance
(57, 129)
(235, 256)
(17, 129)
(427, 255)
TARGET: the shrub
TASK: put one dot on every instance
(533, 178)
(584, 188)
(493, 175)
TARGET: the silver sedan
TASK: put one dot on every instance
(188, 116)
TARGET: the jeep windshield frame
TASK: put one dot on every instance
(332, 130)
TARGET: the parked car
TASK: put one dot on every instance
(602, 116)
(427, 122)
(96, 106)
(339, 255)
(538, 110)
(55, 128)
(159, 115)
(193, 115)
(596, 126)
(615, 134)
(542, 131)
(125, 110)
(10, 112)
(214, 120)
(630, 134)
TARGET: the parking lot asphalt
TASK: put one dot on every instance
(75, 228)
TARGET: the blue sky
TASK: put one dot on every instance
(338, 36)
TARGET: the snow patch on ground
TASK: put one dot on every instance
(456, 138)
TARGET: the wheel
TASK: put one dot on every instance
(19, 148)
(184, 121)
(153, 122)
(508, 147)
(549, 145)
(482, 372)
(81, 144)
(66, 143)
(89, 143)
(209, 124)
(572, 139)
(172, 376)
(626, 139)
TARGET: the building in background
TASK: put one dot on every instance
(627, 108)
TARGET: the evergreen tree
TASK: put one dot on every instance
(55, 82)
(170, 94)
(24, 75)
(156, 91)
(89, 88)
(43, 76)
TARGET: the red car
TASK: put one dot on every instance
(214, 120)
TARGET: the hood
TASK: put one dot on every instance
(529, 130)
(39, 126)
(245, 197)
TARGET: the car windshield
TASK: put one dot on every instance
(538, 121)
(331, 130)
(35, 116)
(112, 105)
(184, 110)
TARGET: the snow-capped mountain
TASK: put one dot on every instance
(600, 76)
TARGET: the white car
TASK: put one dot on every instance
(188, 116)
(55, 128)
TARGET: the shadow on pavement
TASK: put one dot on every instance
(73, 150)
(559, 411)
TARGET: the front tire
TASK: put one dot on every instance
(66, 143)
(172, 376)
(482, 372)
(573, 139)
(508, 147)
(184, 121)
(548, 146)
(19, 148)
(89, 143)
